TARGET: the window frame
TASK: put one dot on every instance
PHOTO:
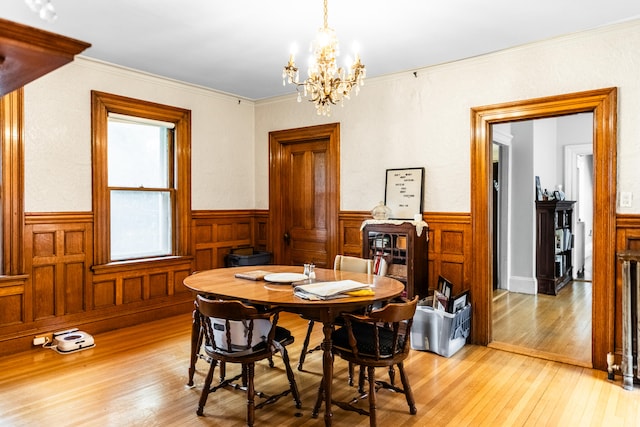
(12, 183)
(101, 105)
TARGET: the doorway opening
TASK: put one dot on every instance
(524, 319)
(603, 104)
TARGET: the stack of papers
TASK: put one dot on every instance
(329, 290)
(252, 275)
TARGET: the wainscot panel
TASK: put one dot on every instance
(627, 238)
(216, 233)
(61, 289)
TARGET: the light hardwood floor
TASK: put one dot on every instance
(136, 377)
(553, 327)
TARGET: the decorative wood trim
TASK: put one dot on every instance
(58, 217)
(603, 104)
(450, 249)
(215, 233)
(59, 289)
(627, 237)
(631, 221)
(29, 53)
(12, 189)
(350, 237)
(57, 257)
(261, 230)
(101, 105)
(223, 214)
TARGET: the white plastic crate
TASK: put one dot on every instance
(438, 331)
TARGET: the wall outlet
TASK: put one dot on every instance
(39, 340)
(626, 198)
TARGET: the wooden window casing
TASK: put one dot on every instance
(12, 188)
(101, 105)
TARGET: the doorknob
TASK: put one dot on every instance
(286, 238)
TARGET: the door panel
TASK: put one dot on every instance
(304, 194)
(305, 214)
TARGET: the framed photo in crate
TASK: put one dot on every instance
(403, 192)
(458, 302)
(445, 286)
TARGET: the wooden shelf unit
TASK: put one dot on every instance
(404, 251)
(554, 244)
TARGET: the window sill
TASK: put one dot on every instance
(138, 264)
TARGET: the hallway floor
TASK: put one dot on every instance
(552, 327)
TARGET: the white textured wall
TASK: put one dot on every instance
(58, 137)
(396, 121)
(401, 120)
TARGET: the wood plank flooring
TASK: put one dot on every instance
(136, 377)
(553, 327)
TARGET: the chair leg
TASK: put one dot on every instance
(305, 345)
(372, 395)
(319, 400)
(196, 343)
(407, 390)
(206, 388)
(361, 378)
(350, 381)
(223, 371)
(292, 380)
(250, 370)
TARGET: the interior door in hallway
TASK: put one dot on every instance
(304, 195)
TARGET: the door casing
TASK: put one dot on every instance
(603, 104)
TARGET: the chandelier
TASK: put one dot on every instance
(43, 8)
(327, 84)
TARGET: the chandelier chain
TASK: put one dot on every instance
(326, 14)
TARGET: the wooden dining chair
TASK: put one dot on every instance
(380, 338)
(344, 263)
(238, 333)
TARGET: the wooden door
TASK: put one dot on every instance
(304, 195)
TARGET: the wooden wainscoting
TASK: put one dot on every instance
(261, 229)
(627, 237)
(59, 290)
(350, 237)
(450, 249)
(58, 252)
(215, 233)
(449, 244)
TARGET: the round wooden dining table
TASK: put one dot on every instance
(222, 283)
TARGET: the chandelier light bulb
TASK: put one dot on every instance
(43, 8)
(34, 5)
(48, 13)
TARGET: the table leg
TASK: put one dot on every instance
(327, 370)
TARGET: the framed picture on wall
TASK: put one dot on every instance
(538, 189)
(403, 192)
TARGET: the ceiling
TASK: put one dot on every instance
(241, 46)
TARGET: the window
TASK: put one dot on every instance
(140, 192)
(141, 169)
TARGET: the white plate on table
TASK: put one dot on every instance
(284, 277)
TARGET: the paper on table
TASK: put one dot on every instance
(252, 275)
(328, 290)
